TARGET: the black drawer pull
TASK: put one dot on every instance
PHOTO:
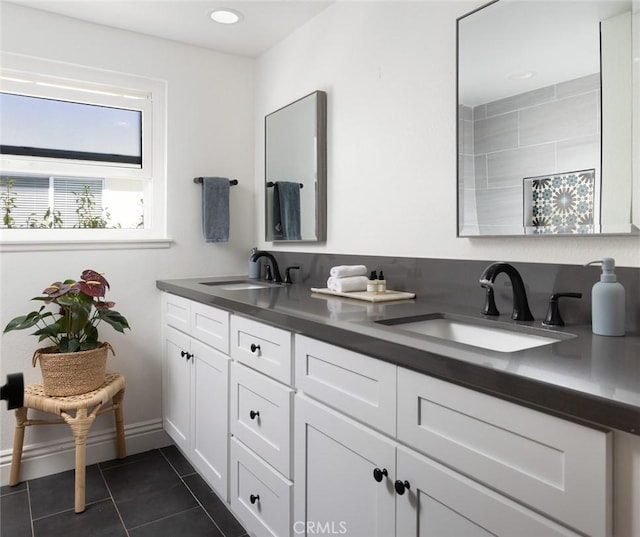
(186, 354)
(400, 486)
(255, 347)
(254, 414)
(254, 498)
(379, 474)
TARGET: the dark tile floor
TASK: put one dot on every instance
(155, 494)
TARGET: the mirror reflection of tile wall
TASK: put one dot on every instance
(551, 130)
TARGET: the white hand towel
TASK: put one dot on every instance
(346, 271)
(348, 285)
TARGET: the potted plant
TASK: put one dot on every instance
(76, 361)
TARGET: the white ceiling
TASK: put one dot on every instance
(264, 22)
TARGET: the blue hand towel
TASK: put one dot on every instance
(215, 209)
(286, 211)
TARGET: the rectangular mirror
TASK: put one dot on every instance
(545, 109)
(296, 170)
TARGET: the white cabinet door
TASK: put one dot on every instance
(335, 490)
(176, 398)
(196, 385)
(442, 503)
(210, 425)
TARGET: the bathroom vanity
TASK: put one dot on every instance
(308, 415)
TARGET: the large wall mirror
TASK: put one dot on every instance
(548, 93)
(296, 170)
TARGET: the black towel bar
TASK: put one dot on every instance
(232, 182)
(271, 184)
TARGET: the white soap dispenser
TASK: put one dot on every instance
(607, 301)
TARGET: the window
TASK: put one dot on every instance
(37, 127)
(80, 149)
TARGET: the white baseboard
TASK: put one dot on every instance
(46, 458)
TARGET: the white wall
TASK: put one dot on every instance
(210, 132)
(389, 69)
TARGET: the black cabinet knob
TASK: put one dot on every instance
(254, 414)
(186, 354)
(254, 498)
(400, 486)
(379, 474)
(255, 347)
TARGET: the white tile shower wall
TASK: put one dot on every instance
(520, 136)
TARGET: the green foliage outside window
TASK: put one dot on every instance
(86, 209)
(50, 219)
(8, 201)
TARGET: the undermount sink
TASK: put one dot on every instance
(509, 338)
(241, 285)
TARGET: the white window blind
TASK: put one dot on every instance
(35, 196)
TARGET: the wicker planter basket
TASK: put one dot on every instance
(72, 373)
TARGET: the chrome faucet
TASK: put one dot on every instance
(521, 311)
(274, 264)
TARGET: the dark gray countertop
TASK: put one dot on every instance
(584, 378)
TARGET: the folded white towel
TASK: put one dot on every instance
(346, 271)
(348, 285)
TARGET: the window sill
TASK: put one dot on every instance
(67, 245)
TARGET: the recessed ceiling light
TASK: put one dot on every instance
(225, 16)
(521, 75)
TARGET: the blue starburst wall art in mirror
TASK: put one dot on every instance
(560, 203)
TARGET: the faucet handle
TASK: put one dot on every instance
(287, 273)
(490, 307)
(553, 317)
(268, 276)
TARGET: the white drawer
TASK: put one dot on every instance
(210, 325)
(262, 347)
(260, 416)
(558, 467)
(358, 385)
(253, 480)
(176, 311)
(206, 323)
